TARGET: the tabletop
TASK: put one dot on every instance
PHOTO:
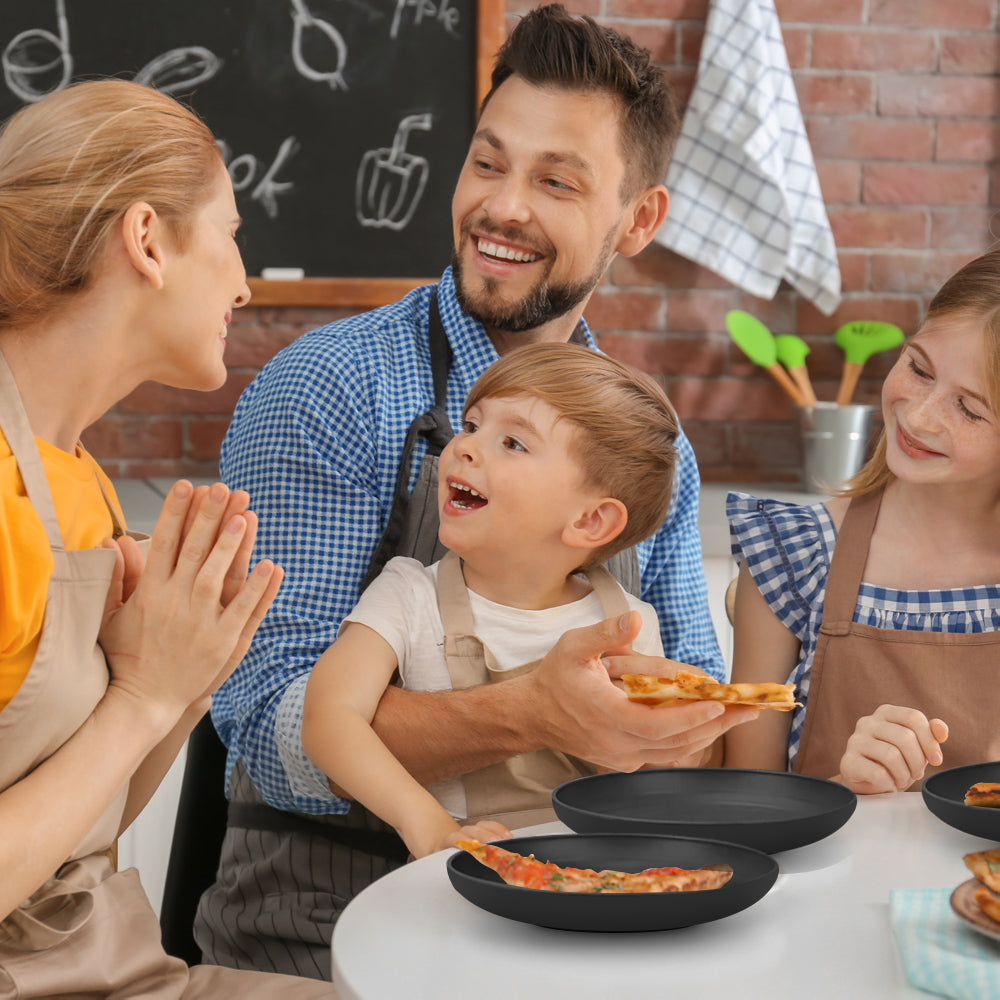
(823, 931)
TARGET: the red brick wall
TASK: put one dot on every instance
(900, 99)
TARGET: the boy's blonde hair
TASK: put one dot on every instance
(626, 428)
(70, 167)
(974, 291)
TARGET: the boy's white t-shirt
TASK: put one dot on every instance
(401, 606)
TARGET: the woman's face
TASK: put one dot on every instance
(203, 283)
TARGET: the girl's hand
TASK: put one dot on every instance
(484, 831)
(890, 749)
(176, 629)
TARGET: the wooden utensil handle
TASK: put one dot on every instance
(848, 382)
(781, 377)
(801, 378)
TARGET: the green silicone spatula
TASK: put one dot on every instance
(791, 352)
(859, 340)
(757, 343)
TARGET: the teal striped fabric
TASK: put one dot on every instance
(940, 954)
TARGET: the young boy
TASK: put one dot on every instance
(565, 457)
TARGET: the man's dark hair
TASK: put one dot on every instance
(549, 47)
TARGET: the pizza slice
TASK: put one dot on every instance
(985, 865)
(686, 686)
(988, 903)
(984, 793)
(529, 873)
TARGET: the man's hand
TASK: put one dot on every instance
(583, 713)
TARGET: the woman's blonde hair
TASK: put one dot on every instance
(973, 290)
(70, 167)
(626, 428)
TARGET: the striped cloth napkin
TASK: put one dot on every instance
(940, 954)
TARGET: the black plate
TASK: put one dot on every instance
(944, 794)
(753, 875)
(767, 810)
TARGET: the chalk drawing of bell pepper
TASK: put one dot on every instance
(391, 182)
(303, 19)
(37, 62)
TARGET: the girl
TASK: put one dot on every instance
(883, 604)
(117, 265)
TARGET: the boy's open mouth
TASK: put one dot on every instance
(464, 497)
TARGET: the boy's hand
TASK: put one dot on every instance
(890, 749)
(484, 831)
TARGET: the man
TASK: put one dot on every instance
(563, 172)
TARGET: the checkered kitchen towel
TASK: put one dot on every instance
(744, 196)
(940, 954)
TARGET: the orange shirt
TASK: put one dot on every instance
(25, 555)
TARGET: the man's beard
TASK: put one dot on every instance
(544, 302)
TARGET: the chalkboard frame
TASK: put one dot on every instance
(370, 292)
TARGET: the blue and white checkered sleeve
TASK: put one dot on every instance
(786, 549)
(673, 578)
(295, 446)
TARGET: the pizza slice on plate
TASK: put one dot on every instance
(985, 865)
(686, 686)
(984, 793)
(529, 873)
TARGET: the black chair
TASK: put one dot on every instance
(197, 842)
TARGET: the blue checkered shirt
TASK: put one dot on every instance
(787, 549)
(316, 440)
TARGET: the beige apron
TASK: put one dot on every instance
(87, 931)
(516, 792)
(859, 667)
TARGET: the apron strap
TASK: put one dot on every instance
(433, 425)
(850, 554)
(17, 430)
(463, 648)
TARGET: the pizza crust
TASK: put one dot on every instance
(988, 903)
(985, 865)
(984, 793)
(686, 686)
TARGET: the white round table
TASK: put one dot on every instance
(822, 932)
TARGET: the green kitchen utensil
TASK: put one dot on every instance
(757, 343)
(859, 340)
(791, 352)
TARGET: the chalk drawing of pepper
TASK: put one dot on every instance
(37, 62)
(391, 182)
(303, 19)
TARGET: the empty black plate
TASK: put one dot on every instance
(753, 875)
(944, 794)
(767, 810)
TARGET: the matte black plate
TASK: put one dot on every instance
(767, 810)
(753, 875)
(944, 794)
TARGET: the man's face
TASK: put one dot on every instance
(537, 213)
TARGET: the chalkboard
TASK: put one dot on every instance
(343, 123)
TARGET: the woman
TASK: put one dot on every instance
(117, 265)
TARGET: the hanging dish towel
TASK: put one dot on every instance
(744, 197)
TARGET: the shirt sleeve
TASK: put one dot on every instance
(673, 577)
(297, 445)
(787, 549)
